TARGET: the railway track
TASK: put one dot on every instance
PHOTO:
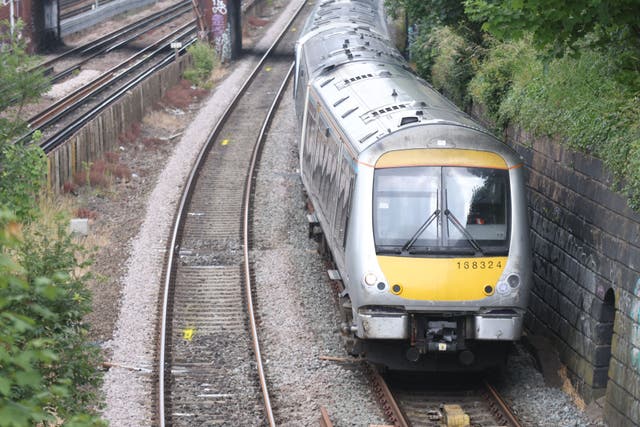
(71, 8)
(60, 120)
(65, 64)
(435, 400)
(207, 374)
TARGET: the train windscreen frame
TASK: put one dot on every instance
(441, 210)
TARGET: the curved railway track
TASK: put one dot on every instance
(437, 400)
(206, 372)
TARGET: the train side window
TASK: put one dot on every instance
(320, 156)
(347, 205)
(343, 194)
(317, 163)
(310, 139)
(324, 180)
(326, 163)
(334, 193)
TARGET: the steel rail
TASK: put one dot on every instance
(107, 49)
(77, 11)
(245, 236)
(112, 35)
(64, 134)
(46, 66)
(498, 408)
(390, 405)
(179, 216)
(325, 421)
(503, 405)
(54, 112)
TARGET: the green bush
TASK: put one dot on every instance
(22, 173)
(48, 372)
(447, 60)
(586, 100)
(47, 369)
(494, 78)
(205, 61)
(580, 100)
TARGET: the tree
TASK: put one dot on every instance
(48, 369)
(22, 167)
(560, 25)
(437, 13)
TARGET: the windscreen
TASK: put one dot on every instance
(441, 210)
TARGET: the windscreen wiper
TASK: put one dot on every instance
(423, 227)
(451, 217)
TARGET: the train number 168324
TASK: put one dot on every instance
(478, 265)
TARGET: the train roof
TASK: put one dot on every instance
(363, 81)
(364, 13)
(341, 31)
(369, 100)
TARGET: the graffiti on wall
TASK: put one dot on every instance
(219, 7)
(220, 29)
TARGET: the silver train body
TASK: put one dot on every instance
(424, 211)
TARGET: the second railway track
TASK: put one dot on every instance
(209, 367)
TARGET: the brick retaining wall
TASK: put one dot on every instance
(586, 245)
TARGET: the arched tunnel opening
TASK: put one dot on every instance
(603, 339)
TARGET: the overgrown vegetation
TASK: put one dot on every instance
(566, 70)
(48, 372)
(205, 61)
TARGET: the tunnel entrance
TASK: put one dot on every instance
(603, 339)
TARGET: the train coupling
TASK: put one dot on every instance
(437, 336)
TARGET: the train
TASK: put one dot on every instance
(423, 209)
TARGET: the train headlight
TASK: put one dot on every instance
(370, 279)
(513, 280)
(503, 288)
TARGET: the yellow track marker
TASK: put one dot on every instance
(267, 69)
(224, 142)
(454, 416)
(188, 334)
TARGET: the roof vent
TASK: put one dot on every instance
(409, 120)
(326, 82)
(348, 112)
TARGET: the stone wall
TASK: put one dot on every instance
(586, 293)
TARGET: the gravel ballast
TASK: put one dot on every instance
(297, 312)
(299, 319)
(128, 385)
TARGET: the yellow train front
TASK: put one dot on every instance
(424, 210)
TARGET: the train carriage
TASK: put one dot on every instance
(423, 209)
